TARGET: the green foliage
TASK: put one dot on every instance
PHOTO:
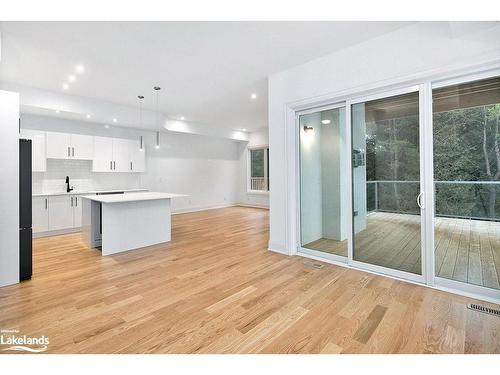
(464, 150)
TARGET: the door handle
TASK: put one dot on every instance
(419, 200)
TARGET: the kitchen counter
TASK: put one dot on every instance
(122, 222)
(81, 192)
(131, 197)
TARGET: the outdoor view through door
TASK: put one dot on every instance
(386, 183)
(467, 182)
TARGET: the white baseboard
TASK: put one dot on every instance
(277, 248)
(202, 208)
(56, 232)
(253, 205)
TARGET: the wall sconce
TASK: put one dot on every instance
(308, 128)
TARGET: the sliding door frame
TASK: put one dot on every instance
(472, 290)
(424, 85)
(422, 278)
(314, 254)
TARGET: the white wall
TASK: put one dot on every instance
(9, 193)
(206, 168)
(257, 138)
(418, 51)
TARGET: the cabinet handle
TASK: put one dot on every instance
(114, 165)
(111, 165)
(131, 166)
(76, 201)
(46, 203)
(68, 151)
(71, 201)
(73, 151)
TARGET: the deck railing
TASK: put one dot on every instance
(460, 199)
(258, 183)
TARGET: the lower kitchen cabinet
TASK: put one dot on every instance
(60, 212)
(77, 212)
(40, 214)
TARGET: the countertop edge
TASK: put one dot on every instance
(88, 192)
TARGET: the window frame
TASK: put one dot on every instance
(249, 169)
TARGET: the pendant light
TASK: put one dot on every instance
(141, 145)
(157, 89)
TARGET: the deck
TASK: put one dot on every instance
(466, 250)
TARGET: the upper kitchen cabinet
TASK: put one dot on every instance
(38, 157)
(103, 154)
(82, 147)
(121, 159)
(69, 146)
(137, 156)
(117, 155)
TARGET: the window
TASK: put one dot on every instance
(258, 167)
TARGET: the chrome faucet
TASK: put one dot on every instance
(68, 189)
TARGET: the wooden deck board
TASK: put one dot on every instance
(466, 250)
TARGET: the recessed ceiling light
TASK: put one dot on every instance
(244, 129)
(253, 96)
(65, 86)
(326, 122)
(106, 126)
(183, 118)
(79, 68)
(72, 78)
(58, 111)
(88, 116)
(115, 120)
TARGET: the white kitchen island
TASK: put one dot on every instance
(122, 222)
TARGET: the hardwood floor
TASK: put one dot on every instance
(217, 289)
(466, 250)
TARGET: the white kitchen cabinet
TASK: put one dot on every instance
(40, 214)
(82, 147)
(121, 160)
(69, 146)
(60, 212)
(38, 155)
(137, 156)
(58, 145)
(103, 154)
(117, 155)
(77, 212)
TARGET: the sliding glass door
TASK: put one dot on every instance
(363, 166)
(323, 183)
(466, 139)
(386, 183)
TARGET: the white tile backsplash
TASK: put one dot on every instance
(81, 178)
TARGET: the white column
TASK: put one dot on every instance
(9, 193)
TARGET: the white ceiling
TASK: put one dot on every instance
(207, 70)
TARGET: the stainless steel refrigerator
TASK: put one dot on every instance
(25, 231)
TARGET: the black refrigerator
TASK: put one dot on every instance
(25, 232)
